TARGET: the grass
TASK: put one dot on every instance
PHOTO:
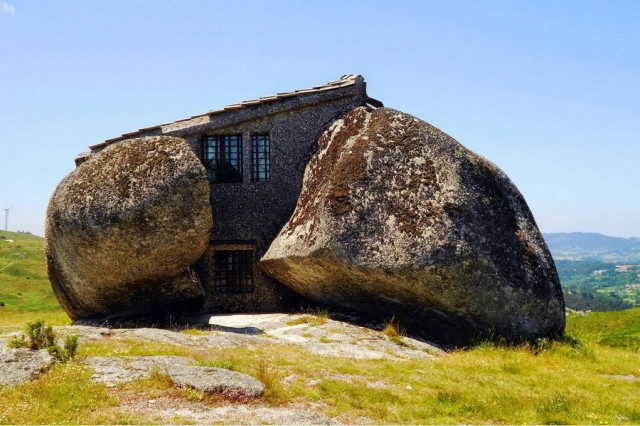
(571, 381)
(24, 287)
(620, 329)
(555, 382)
(313, 317)
(561, 382)
(393, 331)
(227, 364)
(487, 384)
(154, 386)
(65, 394)
(272, 381)
(41, 336)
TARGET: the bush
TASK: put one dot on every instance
(41, 336)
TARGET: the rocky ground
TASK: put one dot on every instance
(316, 334)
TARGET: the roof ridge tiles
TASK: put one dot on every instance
(344, 81)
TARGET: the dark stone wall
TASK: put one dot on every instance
(254, 212)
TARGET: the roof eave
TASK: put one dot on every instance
(347, 85)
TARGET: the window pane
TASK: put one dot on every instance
(260, 158)
(233, 271)
(223, 158)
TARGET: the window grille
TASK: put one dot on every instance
(223, 158)
(234, 271)
(260, 158)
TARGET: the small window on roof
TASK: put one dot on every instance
(260, 158)
(223, 158)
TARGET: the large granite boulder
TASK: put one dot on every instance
(397, 218)
(123, 229)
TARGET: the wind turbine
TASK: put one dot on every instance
(6, 218)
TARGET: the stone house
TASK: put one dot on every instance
(255, 153)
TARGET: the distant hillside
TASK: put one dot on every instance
(582, 245)
(24, 285)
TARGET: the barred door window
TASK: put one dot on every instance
(260, 158)
(233, 271)
(223, 158)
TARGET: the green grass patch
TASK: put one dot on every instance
(227, 364)
(313, 318)
(15, 320)
(570, 381)
(131, 347)
(196, 331)
(65, 394)
(551, 382)
(24, 285)
(619, 329)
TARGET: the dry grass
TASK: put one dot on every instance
(65, 394)
(394, 332)
(561, 382)
(270, 378)
(313, 317)
(572, 381)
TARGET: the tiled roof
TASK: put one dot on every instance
(344, 81)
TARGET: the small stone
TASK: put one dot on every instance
(290, 379)
(314, 382)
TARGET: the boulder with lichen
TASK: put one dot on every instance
(124, 228)
(398, 219)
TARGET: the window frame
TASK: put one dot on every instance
(238, 265)
(260, 140)
(223, 149)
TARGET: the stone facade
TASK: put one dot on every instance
(249, 215)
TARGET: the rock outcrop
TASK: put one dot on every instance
(18, 366)
(123, 228)
(113, 371)
(397, 218)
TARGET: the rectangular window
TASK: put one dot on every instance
(223, 158)
(234, 271)
(260, 158)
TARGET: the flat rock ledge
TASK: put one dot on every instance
(339, 337)
(116, 370)
(18, 366)
(174, 411)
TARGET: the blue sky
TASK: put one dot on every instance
(549, 91)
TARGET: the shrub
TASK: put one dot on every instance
(41, 336)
